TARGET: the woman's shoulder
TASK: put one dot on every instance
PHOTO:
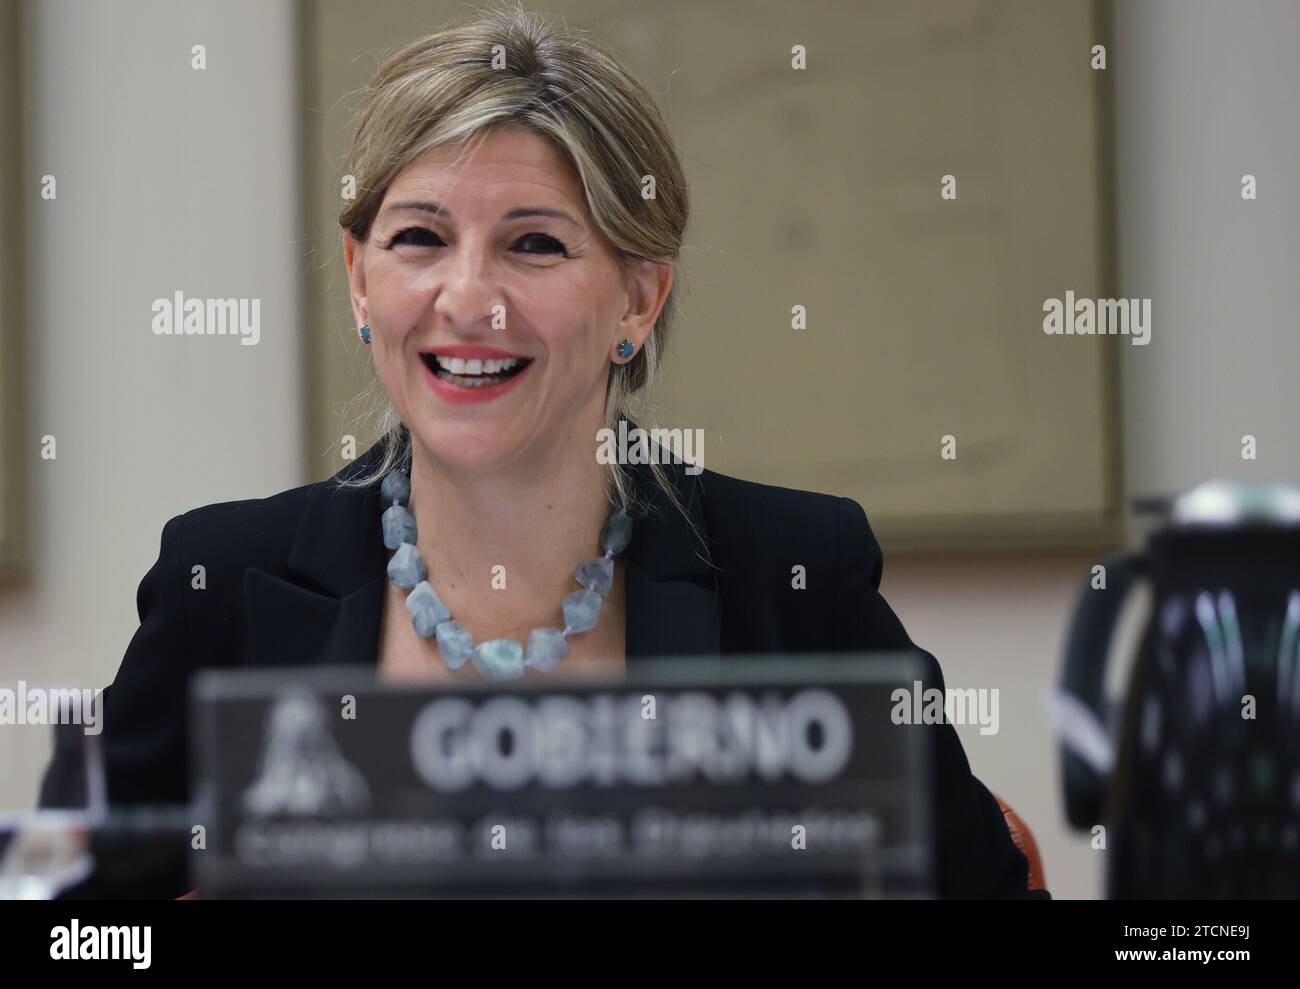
(257, 530)
(740, 491)
(777, 512)
(227, 538)
(759, 529)
(245, 528)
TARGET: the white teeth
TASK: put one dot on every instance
(475, 373)
(457, 365)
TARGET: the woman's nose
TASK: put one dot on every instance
(466, 289)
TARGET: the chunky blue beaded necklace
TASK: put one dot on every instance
(496, 659)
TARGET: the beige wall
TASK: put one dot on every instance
(13, 371)
(1207, 93)
(168, 179)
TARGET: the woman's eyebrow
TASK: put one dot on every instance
(519, 212)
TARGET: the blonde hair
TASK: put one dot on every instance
(557, 82)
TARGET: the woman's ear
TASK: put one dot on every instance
(647, 284)
(352, 260)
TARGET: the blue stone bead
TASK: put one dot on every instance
(396, 487)
(399, 526)
(616, 533)
(406, 568)
(596, 574)
(500, 659)
(581, 609)
(455, 643)
(426, 608)
(546, 647)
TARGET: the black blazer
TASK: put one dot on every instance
(299, 578)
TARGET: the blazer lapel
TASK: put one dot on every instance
(330, 607)
(671, 589)
(290, 625)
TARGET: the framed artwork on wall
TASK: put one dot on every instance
(916, 193)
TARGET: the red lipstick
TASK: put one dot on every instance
(465, 387)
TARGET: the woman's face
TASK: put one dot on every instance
(496, 304)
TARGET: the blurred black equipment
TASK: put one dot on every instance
(1196, 779)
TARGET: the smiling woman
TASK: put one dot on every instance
(516, 288)
(511, 257)
(563, 144)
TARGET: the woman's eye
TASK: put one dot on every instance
(421, 236)
(534, 243)
(541, 243)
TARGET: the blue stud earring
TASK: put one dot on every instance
(625, 349)
(365, 332)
